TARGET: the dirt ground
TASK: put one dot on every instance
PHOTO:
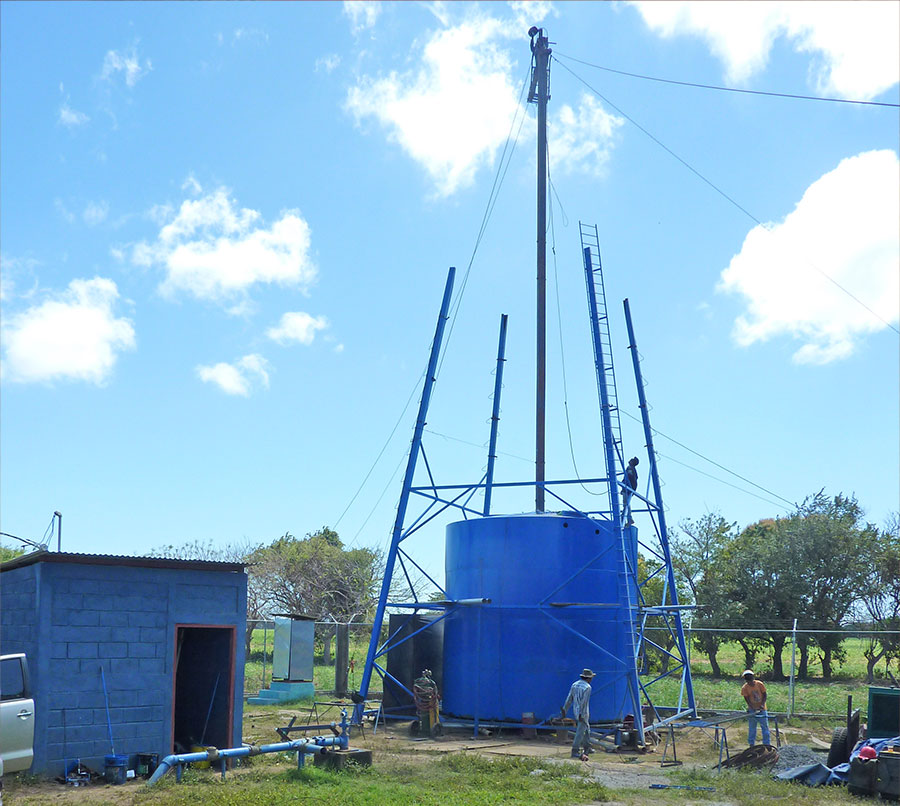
(621, 770)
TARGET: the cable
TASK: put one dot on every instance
(499, 176)
(712, 462)
(723, 194)
(26, 541)
(562, 353)
(381, 452)
(476, 445)
(372, 511)
(721, 481)
(727, 89)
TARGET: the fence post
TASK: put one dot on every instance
(341, 659)
(793, 663)
(263, 685)
(326, 645)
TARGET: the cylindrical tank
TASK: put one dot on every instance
(407, 660)
(522, 652)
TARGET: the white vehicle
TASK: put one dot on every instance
(16, 715)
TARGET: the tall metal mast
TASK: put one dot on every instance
(540, 93)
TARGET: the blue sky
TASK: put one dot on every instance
(226, 229)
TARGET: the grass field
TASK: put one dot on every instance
(813, 696)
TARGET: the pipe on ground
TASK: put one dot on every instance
(303, 747)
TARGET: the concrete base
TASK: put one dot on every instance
(340, 758)
(284, 692)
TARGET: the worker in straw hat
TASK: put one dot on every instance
(580, 699)
(754, 693)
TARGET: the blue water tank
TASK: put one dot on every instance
(520, 653)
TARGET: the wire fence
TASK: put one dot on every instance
(796, 687)
(328, 676)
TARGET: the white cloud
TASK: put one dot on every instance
(238, 378)
(531, 12)
(95, 213)
(363, 14)
(845, 226)
(440, 11)
(451, 114)
(854, 44)
(297, 326)
(74, 336)
(249, 35)
(13, 269)
(71, 118)
(191, 185)
(582, 140)
(64, 211)
(128, 63)
(216, 251)
(328, 63)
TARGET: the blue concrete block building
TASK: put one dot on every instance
(168, 635)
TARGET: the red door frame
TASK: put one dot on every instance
(231, 629)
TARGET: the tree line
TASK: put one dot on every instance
(822, 564)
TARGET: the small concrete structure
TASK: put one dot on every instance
(167, 634)
(292, 661)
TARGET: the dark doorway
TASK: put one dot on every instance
(204, 687)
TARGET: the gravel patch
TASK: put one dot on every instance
(796, 755)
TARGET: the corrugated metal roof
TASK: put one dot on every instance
(120, 560)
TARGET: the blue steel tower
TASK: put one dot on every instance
(531, 598)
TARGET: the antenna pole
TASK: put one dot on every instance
(540, 94)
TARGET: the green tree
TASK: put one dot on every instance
(830, 543)
(763, 583)
(317, 576)
(881, 597)
(9, 553)
(697, 548)
(659, 630)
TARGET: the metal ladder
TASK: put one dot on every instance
(603, 362)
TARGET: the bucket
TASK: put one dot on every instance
(146, 764)
(115, 767)
(199, 765)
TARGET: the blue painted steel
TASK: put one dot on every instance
(397, 535)
(313, 746)
(628, 579)
(555, 585)
(600, 365)
(495, 415)
(660, 512)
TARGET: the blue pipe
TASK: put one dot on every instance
(317, 745)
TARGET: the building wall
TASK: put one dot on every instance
(121, 619)
(19, 606)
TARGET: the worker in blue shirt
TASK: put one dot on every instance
(580, 699)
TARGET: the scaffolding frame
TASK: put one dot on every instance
(647, 617)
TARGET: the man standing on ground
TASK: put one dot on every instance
(630, 481)
(754, 692)
(580, 699)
